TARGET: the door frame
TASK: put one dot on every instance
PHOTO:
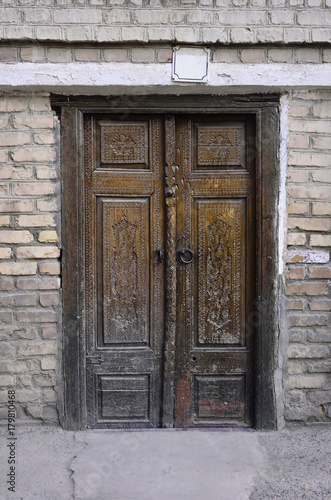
(265, 321)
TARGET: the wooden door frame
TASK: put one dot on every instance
(266, 112)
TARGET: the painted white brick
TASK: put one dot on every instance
(242, 35)
(78, 33)
(242, 17)
(105, 34)
(270, 35)
(321, 35)
(314, 18)
(38, 16)
(77, 16)
(187, 35)
(8, 15)
(294, 35)
(214, 35)
(19, 32)
(308, 257)
(282, 17)
(133, 34)
(48, 33)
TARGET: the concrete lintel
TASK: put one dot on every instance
(128, 78)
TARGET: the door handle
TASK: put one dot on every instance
(186, 255)
(160, 254)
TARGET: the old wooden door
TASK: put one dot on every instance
(170, 246)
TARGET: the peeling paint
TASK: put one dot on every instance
(100, 79)
(284, 108)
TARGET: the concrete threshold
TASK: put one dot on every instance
(53, 464)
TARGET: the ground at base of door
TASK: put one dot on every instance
(52, 464)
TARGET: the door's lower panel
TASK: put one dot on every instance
(123, 397)
(220, 399)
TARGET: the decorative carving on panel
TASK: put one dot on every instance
(124, 143)
(187, 226)
(170, 149)
(108, 183)
(219, 273)
(122, 146)
(125, 272)
(238, 185)
(124, 276)
(89, 213)
(219, 146)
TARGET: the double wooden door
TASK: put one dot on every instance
(169, 269)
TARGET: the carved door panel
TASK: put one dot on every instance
(215, 271)
(124, 275)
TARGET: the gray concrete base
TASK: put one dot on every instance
(298, 465)
(165, 465)
(169, 465)
(43, 457)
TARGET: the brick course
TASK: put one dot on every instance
(181, 21)
(163, 53)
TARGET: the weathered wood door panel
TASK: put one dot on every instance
(215, 271)
(124, 275)
(209, 223)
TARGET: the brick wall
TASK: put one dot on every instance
(160, 53)
(29, 254)
(308, 274)
(207, 21)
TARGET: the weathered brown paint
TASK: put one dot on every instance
(183, 398)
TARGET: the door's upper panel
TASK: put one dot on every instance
(122, 144)
(219, 146)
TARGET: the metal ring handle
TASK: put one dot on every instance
(186, 255)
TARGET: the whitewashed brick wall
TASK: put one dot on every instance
(206, 21)
(29, 255)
